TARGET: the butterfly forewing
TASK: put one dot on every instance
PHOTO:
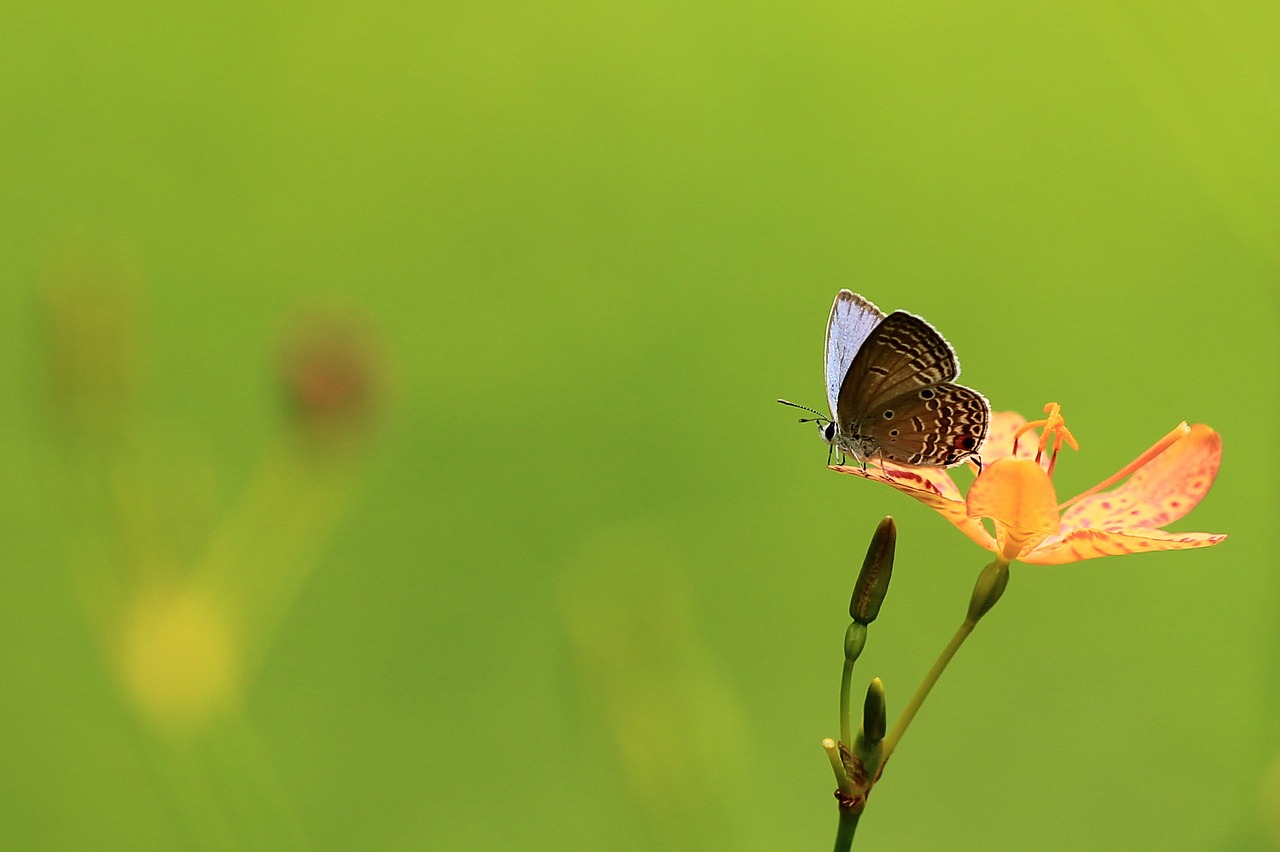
(852, 320)
(902, 354)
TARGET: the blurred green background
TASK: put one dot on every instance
(389, 451)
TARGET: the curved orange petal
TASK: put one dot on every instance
(1090, 544)
(1158, 493)
(932, 487)
(1018, 496)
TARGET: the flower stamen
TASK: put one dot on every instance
(1054, 427)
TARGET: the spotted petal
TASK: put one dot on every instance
(932, 487)
(999, 441)
(1158, 493)
(1090, 544)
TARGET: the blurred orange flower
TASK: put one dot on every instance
(1015, 491)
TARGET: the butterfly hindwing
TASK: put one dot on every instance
(934, 426)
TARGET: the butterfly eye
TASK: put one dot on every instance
(829, 432)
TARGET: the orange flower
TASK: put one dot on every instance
(1015, 491)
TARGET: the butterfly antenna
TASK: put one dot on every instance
(821, 418)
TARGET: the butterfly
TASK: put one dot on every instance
(890, 390)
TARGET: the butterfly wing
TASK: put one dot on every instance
(852, 320)
(900, 355)
(935, 426)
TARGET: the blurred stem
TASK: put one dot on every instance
(273, 537)
(922, 691)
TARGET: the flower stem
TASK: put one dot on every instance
(844, 831)
(922, 691)
(846, 686)
(843, 784)
(855, 639)
(986, 592)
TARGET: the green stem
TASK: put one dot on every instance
(837, 766)
(844, 831)
(846, 686)
(922, 691)
(855, 639)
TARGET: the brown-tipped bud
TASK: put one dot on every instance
(874, 714)
(988, 589)
(877, 567)
(91, 327)
(333, 377)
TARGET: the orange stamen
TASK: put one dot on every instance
(1053, 426)
(1024, 429)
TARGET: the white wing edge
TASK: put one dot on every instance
(852, 320)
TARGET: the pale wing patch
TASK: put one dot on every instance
(852, 319)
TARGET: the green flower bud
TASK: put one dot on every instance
(855, 638)
(874, 720)
(988, 589)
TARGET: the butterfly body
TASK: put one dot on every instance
(891, 390)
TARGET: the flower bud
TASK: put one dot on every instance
(91, 335)
(988, 589)
(873, 580)
(855, 639)
(874, 716)
(333, 377)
